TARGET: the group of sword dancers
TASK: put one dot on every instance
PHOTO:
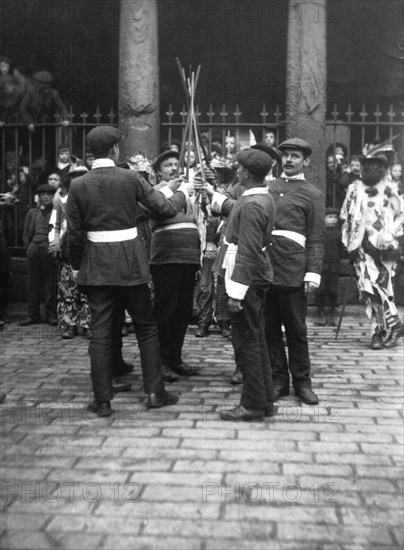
(270, 259)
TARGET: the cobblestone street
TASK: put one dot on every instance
(328, 477)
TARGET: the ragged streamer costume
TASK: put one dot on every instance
(372, 222)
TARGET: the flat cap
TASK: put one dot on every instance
(45, 188)
(271, 151)
(331, 210)
(44, 77)
(5, 59)
(164, 156)
(378, 157)
(101, 138)
(296, 143)
(257, 162)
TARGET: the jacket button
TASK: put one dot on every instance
(281, 194)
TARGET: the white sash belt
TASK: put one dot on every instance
(183, 225)
(112, 236)
(297, 237)
(230, 244)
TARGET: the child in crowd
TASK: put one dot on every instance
(42, 268)
(328, 289)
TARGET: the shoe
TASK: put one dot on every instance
(52, 321)
(226, 332)
(118, 386)
(184, 369)
(100, 408)
(155, 401)
(239, 413)
(125, 331)
(86, 333)
(202, 332)
(69, 333)
(307, 395)
(279, 391)
(124, 369)
(331, 322)
(322, 321)
(236, 377)
(169, 375)
(29, 321)
(377, 342)
(396, 333)
(269, 410)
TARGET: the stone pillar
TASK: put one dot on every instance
(139, 104)
(307, 81)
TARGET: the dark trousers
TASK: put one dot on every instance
(174, 294)
(205, 293)
(107, 304)
(288, 306)
(250, 350)
(42, 273)
(328, 290)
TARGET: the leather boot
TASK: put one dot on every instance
(376, 342)
(396, 333)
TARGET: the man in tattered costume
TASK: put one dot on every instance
(372, 216)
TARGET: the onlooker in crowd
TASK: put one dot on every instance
(296, 254)
(244, 262)
(175, 259)
(327, 293)
(10, 92)
(350, 174)
(373, 222)
(63, 162)
(334, 193)
(206, 283)
(270, 138)
(42, 99)
(396, 172)
(42, 269)
(89, 159)
(73, 312)
(102, 212)
(175, 146)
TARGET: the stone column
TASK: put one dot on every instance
(139, 116)
(307, 81)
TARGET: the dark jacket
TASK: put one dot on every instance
(300, 208)
(30, 222)
(106, 199)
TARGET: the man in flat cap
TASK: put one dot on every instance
(373, 219)
(42, 270)
(297, 250)
(102, 213)
(174, 259)
(243, 261)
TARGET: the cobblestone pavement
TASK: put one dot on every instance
(324, 477)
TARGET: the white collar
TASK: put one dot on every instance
(255, 191)
(297, 177)
(103, 163)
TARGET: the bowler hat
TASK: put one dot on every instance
(257, 162)
(45, 188)
(296, 143)
(164, 156)
(271, 151)
(102, 138)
